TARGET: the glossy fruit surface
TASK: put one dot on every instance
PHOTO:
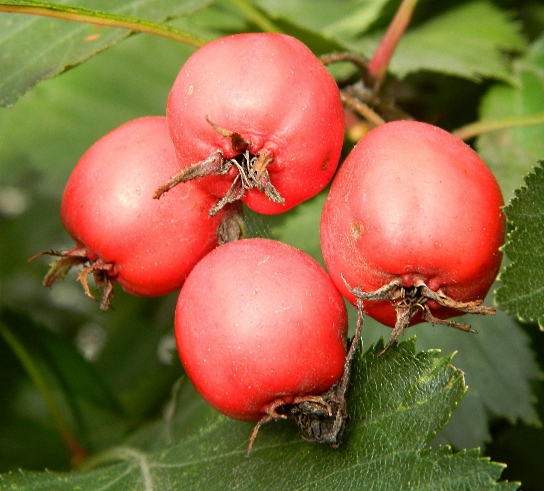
(259, 323)
(412, 202)
(266, 94)
(147, 246)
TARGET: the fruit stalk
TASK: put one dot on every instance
(384, 52)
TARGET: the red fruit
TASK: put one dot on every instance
(262, 115)
(413, 207)
(259, 325)
(122, 233)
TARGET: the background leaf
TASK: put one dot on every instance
(397, 403)
(80, 401)
(500, 371)
(511, 153)
(33, 48)
(521, 293)
(467, 41)
(340, 19)
(60, 361)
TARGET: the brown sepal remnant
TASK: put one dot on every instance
(409, 301)
(100, 270)
(238, 142)
(252, 171)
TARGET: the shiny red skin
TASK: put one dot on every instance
(258, 322)
(411, 201)
(273, 91)
(108, 208)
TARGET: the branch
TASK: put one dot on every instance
(488, 125)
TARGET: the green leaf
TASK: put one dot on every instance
(130, 80)
(340, 19)
(467, 41)
(33, 48)
(512, 152)
(522, 289)
(278, 20)
(59, 361)
(320, 43)
(185, 414)
(79, 400)
(500, 371)
(397, 403)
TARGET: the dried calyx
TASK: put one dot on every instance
(102, 272)
(413, 300)
(252, 171)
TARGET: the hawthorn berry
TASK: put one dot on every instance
(261, 332)
(256, 117)
(122, 234)
(412, 225)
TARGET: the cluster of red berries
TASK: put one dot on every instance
(410, 231)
